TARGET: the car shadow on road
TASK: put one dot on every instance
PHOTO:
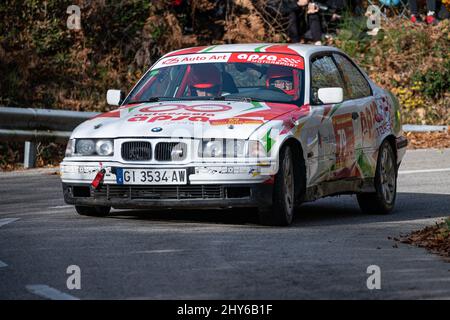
(327, 211)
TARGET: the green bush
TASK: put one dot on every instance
(435, 82)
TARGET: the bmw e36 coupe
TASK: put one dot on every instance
(267, 126)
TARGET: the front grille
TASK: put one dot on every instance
(170, 151)
(166, 192)
(136, 151)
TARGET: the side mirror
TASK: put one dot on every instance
(114, 97)
(330, 95)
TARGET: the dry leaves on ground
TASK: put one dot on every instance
(423, 140)
(434, 238)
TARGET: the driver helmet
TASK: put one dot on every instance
(205, 77)
(280, 77)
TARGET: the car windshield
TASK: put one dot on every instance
(229, 76)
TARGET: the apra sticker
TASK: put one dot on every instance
(264, 58)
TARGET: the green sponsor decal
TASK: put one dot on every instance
(268, 140)
(334, 109)
(132, 108)
(208, 49)
(365, 165)
(258, 49)
(256, 105)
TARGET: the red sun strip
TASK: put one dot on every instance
(111, 114)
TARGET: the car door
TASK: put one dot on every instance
(358, 95)
(338, 125)
(331, 135)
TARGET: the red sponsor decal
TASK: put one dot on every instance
(172, 118)
(192, 108)
(203, 58)
(343, 173)
(281, 48)
(275, 110)
(287, 60)
(187, 51)
(270, 180)
(111, 114)
(289, 119)
(345, 140)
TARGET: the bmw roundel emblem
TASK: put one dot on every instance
(157, 129)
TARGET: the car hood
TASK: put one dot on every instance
(187, 119)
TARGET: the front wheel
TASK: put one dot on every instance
(96, 211)
(282, 210)
(383, 199)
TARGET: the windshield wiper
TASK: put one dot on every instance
(155, 99)
(217, 98)
(243, 99)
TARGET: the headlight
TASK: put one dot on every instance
(212, 148)
(104, 147)
(91, 147)
(70, 149)
(256, 149)
(85, 147)
(231, 148)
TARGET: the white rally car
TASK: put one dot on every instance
(254, 125)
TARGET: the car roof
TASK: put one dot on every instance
(303, 50)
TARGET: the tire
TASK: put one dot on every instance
(382, 201)
(97, 211)
(283, 198)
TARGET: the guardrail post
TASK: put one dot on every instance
(29, 159)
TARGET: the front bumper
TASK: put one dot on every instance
(182, 196)
(208, 186)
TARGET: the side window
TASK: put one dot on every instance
(357, 85)
(324, 74)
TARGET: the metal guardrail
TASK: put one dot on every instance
(34, 125)
(424, 128)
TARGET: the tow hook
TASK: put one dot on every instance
(98, 179)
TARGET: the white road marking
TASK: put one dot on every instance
(7, 220)
(2, 264)
(426, 221)
(423, 171)
(47, 292)
(61, 207)
(160, 251)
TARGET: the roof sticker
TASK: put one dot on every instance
(186, 51)
(260, 49)
(208, 49)
(281, 48)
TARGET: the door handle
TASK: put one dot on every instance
(355, 115)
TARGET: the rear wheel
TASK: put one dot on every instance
(96, 211)
(383, 199)
(283, 202)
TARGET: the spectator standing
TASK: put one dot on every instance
(183, 10)
(302, 18)
(431, 7)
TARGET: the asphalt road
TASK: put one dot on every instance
(222, 254)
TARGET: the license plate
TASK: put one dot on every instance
(151, 176)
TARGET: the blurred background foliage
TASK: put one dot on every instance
(43, 64)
